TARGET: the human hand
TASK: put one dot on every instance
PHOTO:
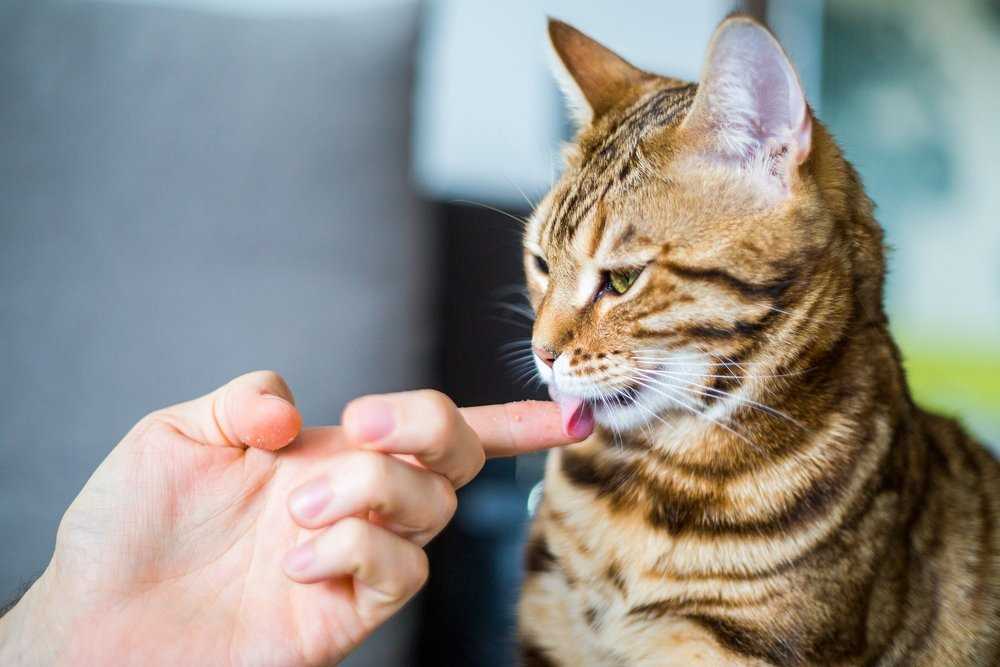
(216, 533)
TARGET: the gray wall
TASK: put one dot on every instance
(185, 197)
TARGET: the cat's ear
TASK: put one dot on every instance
(750, 102)
(593, 77)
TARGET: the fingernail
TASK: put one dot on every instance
(275, 397)
(309, 500)
(299, 558)
(372, 420)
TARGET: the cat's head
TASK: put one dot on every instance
(682, 232)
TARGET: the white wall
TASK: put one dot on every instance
(488, 114)
(265, 7)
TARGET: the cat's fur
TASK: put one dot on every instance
(776, 497)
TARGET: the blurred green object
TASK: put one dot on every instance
(958, 378)
(904, 83)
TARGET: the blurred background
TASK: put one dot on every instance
(193, 189)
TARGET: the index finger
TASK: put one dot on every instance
(510, 429)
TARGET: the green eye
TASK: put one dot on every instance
(620, 281)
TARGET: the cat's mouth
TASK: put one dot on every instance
(624, 396)
(578, 412)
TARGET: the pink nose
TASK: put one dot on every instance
(547, 356)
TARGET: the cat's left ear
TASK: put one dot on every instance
(750, 103)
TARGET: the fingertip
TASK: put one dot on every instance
(517, 428)
(548, 419)
(549, 423)
(264, 421)
(368, 419)
(547, 427)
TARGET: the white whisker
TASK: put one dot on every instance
(695, 411)
(490, 208)
(703, 390)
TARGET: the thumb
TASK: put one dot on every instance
(254, 410)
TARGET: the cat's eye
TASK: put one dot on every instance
(620, 281)
(541, 265)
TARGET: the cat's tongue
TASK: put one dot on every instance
(577, 417)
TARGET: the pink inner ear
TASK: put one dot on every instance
(752, 96)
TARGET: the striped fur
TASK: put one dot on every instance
(784, 502)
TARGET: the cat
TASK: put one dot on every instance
(760, 488)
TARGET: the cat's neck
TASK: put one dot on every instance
(836, 390)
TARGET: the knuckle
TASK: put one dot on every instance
(157, 426)
(419, 570)
(467, 475)
(355, 533)
(440, 416)
(479, 462)
(434, 396)
(448, 498)
(154, 421)
(411, 575)
(373, 470)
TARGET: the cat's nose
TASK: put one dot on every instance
(547, 356)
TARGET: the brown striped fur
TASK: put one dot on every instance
(822, 518)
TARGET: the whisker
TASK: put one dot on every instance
(726, 360)
(512, 289)
(517, 349)
(515, 344)
(685, 354)
(718, 393)
(525, 375)
(663, 355)
(510, 322)
(639, 403)
(523, 311)
(519, 366)
(816, 320)
(531, 205)
(522, 372)
(696, 412)
(733, 376)
(517, 218)
(517, 356)
(672, 359)
(688, 358)
(646, 426)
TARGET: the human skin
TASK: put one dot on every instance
(219, 532)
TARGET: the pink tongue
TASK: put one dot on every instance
(577, 418)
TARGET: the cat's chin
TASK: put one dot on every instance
(620, 410)
(634, 410)
(621, 418)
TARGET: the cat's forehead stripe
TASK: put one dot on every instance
(600, 220)
(611, 161)
(566, 216)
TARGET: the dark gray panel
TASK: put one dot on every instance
(185, 197)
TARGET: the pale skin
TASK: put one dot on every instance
(220, 532)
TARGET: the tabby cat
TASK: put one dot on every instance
(760, 488)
